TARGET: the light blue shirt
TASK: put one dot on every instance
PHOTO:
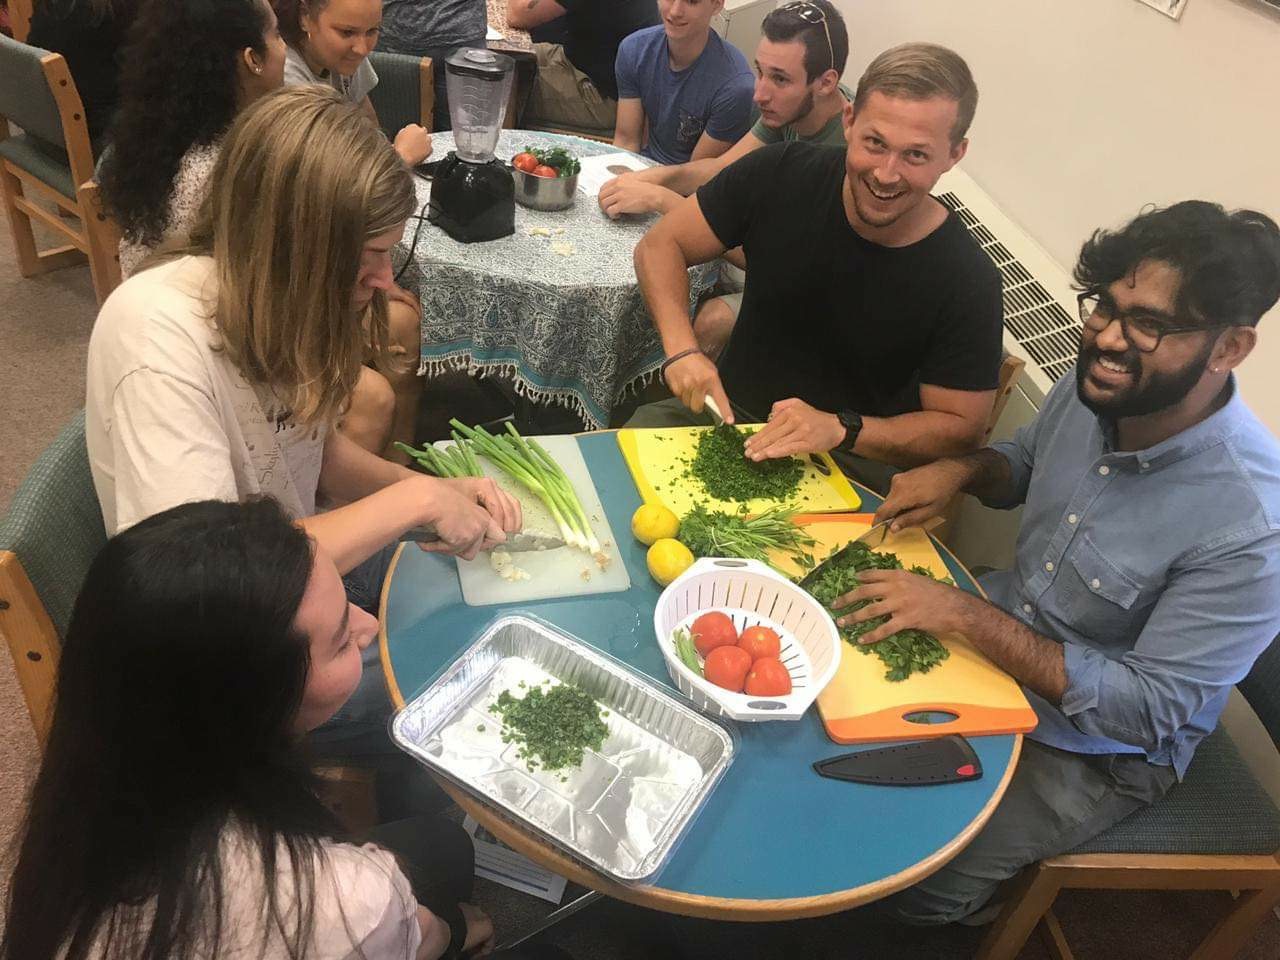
(1157, 570)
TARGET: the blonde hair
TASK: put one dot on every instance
(920, 71)
(302, 182)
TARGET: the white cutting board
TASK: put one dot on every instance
(552, 573)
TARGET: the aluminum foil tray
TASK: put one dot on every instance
(626, 807)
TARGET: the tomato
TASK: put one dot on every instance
(712, 630)
(761, 642)
(524, 161)
(727, 667)
(542, 170)
(768, 678)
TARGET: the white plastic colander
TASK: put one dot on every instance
(750, 593)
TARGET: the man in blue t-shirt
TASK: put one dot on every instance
(690, 89)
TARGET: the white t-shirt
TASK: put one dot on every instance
(363, 907)
(169, 419)
(190, 184)
(353, 88)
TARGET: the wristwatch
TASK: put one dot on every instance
(852, 423)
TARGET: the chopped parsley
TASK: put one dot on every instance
(553, 727)
(722, 468)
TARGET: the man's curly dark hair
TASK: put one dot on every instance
(1229, 262)
(179, 88)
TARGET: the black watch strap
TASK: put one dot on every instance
(852, 423)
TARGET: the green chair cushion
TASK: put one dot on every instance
(25, 97)
(37, 159)
(1219, 808)
(54, 524)
(397, 99)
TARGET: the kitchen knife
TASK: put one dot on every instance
(522, 542)
(880, 531)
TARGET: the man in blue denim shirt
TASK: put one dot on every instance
(1147, 574)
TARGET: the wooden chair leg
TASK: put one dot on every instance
(1055, 941)
(1029, 900)
(24, 239)
(1227, 939)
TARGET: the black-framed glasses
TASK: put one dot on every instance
(812, 13)
(1144, 330)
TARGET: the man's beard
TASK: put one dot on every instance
(806, 108)
(1161, 391)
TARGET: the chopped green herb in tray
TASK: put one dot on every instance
(553, 727)
(726, 474)
(903, 653)
(714, 533)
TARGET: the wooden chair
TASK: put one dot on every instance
(406, 91)
(20, 18)
(1216, 830)
(49, 538)
(104, 237)
(51, 158)
(1010, 370)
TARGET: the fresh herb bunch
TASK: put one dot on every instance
(552, 727)
(903, 653)
(566, 164)
(715, 533)
(721, 466)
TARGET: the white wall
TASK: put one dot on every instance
(1090, 109)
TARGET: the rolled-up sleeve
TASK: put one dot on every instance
(1218, 613)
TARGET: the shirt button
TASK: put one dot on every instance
(1104, 470)
(1144, 465)
(1072, 518)
(1026, 608)
(1095, 583)
(1048, 565)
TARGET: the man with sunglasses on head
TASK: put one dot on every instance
(1147, 571)
(871, 320)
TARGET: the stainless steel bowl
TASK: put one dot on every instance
(544, 193)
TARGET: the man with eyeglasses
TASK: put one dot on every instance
(871, 320)
(1147, 573)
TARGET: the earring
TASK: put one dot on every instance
(1213, 369)
(258, 71)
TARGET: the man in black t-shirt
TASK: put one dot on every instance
(871, 321)
(575, 85)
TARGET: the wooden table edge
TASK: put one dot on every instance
(673, 901)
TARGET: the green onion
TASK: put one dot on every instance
(714, 533)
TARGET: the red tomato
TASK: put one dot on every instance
(761, 642)
(712, 630)
(524, 161)
(768, 678)
(542, 170)
(727, 667)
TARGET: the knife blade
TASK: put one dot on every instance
(521, 542)
(883, 529)
(714, 409)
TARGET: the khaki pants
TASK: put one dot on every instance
(565, 96)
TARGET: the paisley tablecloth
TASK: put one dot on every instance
(569, 327)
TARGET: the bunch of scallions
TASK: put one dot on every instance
(524, 460)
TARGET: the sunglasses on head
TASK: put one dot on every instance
(813, 14)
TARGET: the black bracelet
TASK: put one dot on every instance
(662, 370)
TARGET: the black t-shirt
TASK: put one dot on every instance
(91, 47)
(596, 27)
(832, 318)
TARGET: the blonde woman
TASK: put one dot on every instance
(219, 374)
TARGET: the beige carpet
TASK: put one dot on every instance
(44, 331)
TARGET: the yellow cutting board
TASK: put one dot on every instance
(659, 458)
(860, 706)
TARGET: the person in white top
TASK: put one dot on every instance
(175, 814)
(329, 41)
(219, 373)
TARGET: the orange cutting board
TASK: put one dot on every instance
(860, 706)
(659, 458)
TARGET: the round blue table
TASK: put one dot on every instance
(774, 841)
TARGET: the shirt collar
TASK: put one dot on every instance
(1212, 430)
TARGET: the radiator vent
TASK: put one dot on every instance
(1035, 319)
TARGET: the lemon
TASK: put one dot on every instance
(653, 521)
(668, 559)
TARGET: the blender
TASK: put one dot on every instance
(472, 193)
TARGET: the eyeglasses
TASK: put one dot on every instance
(1143, 330)
(812, 13)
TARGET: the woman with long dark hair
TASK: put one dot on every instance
(175, 816)
(190, 68)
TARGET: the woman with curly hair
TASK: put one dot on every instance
(190, 68)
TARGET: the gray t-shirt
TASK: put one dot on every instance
(427, 28)
(353, 88)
